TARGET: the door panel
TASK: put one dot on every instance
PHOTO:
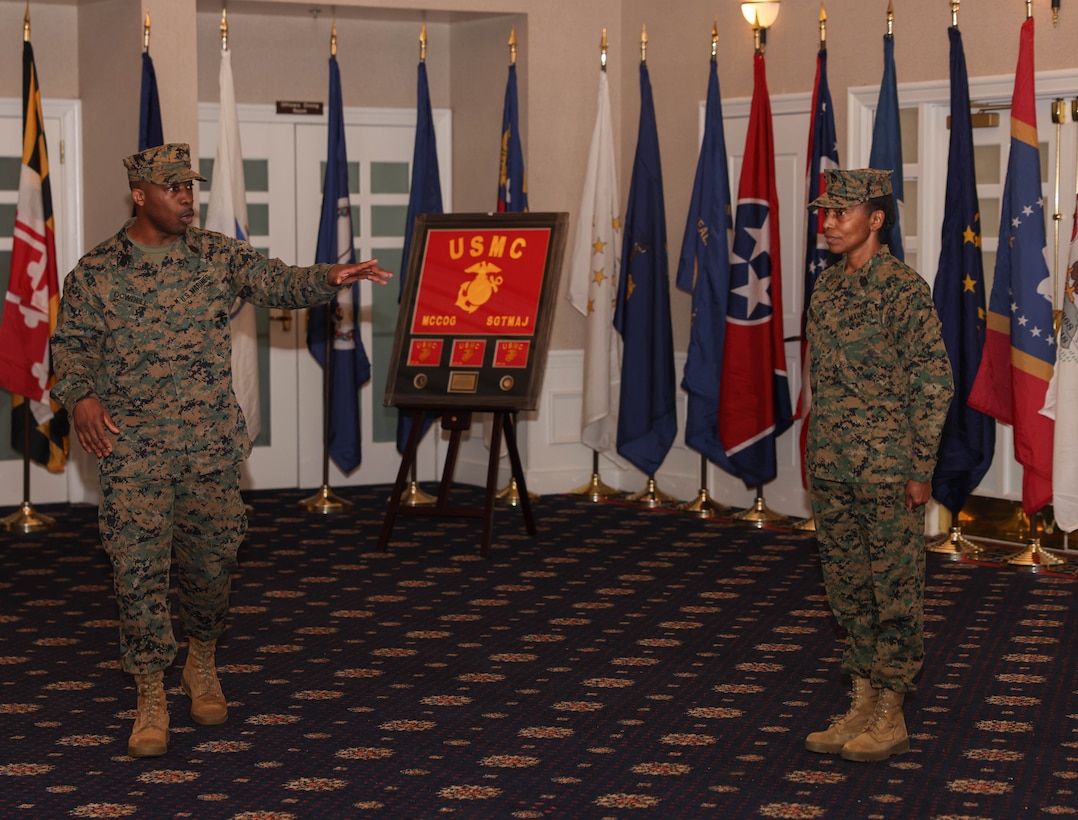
(293, 151)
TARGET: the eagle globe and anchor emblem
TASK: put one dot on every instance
(476, 291)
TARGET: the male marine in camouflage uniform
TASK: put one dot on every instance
(142, 354)
(881, 386)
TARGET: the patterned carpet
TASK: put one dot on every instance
(622, 663)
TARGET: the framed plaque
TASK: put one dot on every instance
(476, 311)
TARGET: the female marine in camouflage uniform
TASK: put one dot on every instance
(881, 386)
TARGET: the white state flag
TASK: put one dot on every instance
(1062, 402)
(227, 214)
(593, 277)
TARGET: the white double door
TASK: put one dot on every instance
(294, 151)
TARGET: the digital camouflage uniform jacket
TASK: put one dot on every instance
(153, 343)
(880, 377)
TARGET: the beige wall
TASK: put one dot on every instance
(92, 49)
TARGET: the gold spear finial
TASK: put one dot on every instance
(224, 29)
(423, 44)
(513, 46)
(146, 33)
(1055, 13)
(758, 41)
(890, 18)
(954, 13)
(333, 40)
(602, 50)
(643, 43)
(715, 40)
(823, 27)
(26, 24)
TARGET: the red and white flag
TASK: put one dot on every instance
(33, 296)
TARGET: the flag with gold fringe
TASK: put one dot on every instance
(704, 270)
(969, 436)
(593, 279)
(647, 411)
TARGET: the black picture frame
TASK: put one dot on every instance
(476, 311)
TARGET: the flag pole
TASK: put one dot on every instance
(325, 501)
(759, 513)
(1034, 555)
(1059, 116)
(955, 545)
(414, 495)
(26, 519)
(595, 490)
(510, 494)
(809, 524)
(651, 496)
(704, 506)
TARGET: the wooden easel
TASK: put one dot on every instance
(457, 422)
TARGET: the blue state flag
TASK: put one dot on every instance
(647, 421)
(150, 133)
(425, 198)
(512, 181)
(969, 436)
(822, 154)
(349, 366)
(886, 151)
(704, 270)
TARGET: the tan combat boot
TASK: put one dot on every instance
(885, 734)
(199, 681)
(149, 736)
(851, 724)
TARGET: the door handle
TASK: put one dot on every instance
(285, 318)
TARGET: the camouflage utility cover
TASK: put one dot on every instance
(879, 372)
(154, 344)
(843, 189)
(162, 165)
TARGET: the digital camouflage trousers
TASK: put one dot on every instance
(872, 553)
(198, 521)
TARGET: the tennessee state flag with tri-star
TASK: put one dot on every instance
(33, 295)
(1019, 349)
(754, 403)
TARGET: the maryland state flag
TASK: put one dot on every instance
(33, 296)
(754, 405)
(1019, 349)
